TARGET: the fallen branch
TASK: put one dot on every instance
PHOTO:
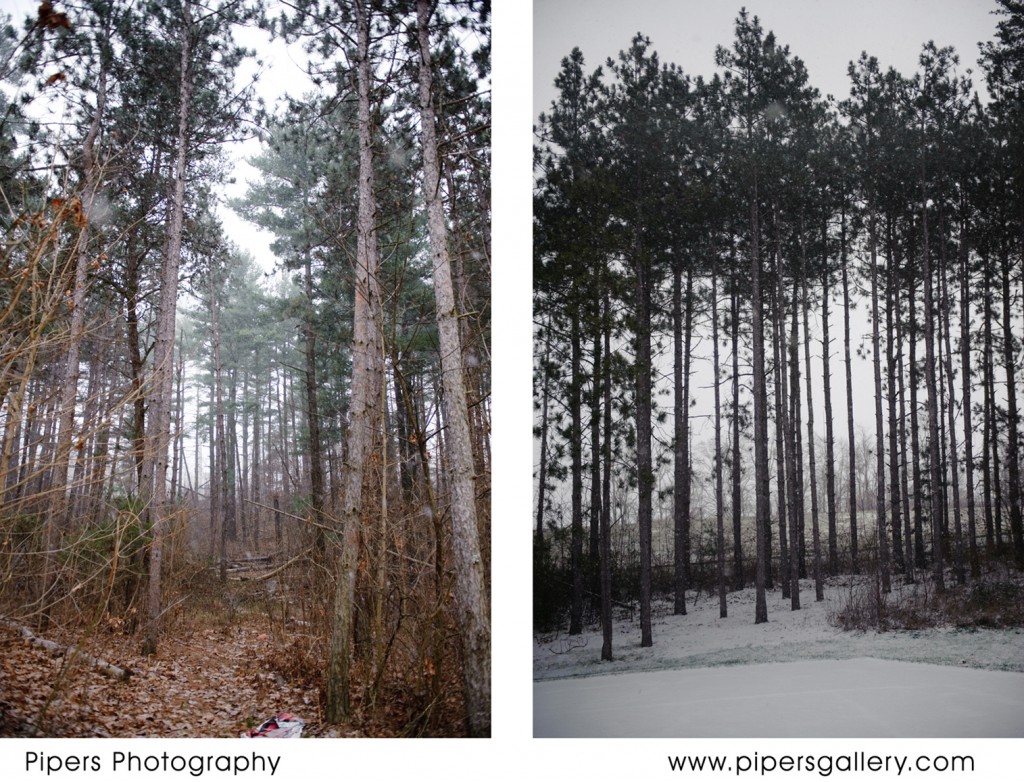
(288, 564)
(111, 670)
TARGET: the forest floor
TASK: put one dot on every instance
(203, 682)
(708, 676)
(219, 670)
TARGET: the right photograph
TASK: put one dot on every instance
(778, 319)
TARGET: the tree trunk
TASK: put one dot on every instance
(760, 415)
(594, 554)
(908, 531)
(231, 449)
(920, 559)
(954, 459)
(367, 377)
(213, 493)
(793, 460)
(1012, 459)
(830, 469)
(576, 472)
(644, 462)
(681, 472)
(316, 460)
(257, 463)
(965, 373)
(883, 537)
(988, 403)
(470, 595)
(854, 564)
(782, 477)
(606, 490)
(737, 541)
(723, 610)
(542, 470)
(179, 418)
(931, 390)
(58, 515)
(819, 584)
(155, 487)
(891, 370)
(220, 499)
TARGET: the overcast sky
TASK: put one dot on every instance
(825, 34)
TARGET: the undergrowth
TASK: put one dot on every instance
(986, 603)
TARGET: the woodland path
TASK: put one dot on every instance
(212, 681)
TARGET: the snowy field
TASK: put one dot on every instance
(712, 677)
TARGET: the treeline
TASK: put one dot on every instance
(167, 407)
(739, 219)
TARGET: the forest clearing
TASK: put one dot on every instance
(248, 469)
(778, 330)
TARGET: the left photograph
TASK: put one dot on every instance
(245, 369)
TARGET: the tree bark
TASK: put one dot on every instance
(931, 391)
(819, 584)
(542, 470)
(58, 515)
(316, 460)
(891, 383)
(576, 472)
(854, 564)
(882, 535)
(219, 500)
(965, 376)
(606, 489)
(782, 477)
(367, 378)
(644, 462)
(954, 459)
(760, 415)
(737, 540)
(830, 469)
(987, 447)
(723, 610)
(1012, 459)
(155, 488)
(470, 594)
(681, 471)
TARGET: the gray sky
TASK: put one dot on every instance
(825, 34)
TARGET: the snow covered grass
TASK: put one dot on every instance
(713, 677)
(702, 639)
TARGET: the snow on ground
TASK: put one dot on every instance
(857, 698)
(690, 683)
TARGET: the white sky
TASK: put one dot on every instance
(825, 34)
(281, 73)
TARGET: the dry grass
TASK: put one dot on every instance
(994, 601)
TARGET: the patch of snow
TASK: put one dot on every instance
(859, 698)
(702, 639)
(707, 676)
